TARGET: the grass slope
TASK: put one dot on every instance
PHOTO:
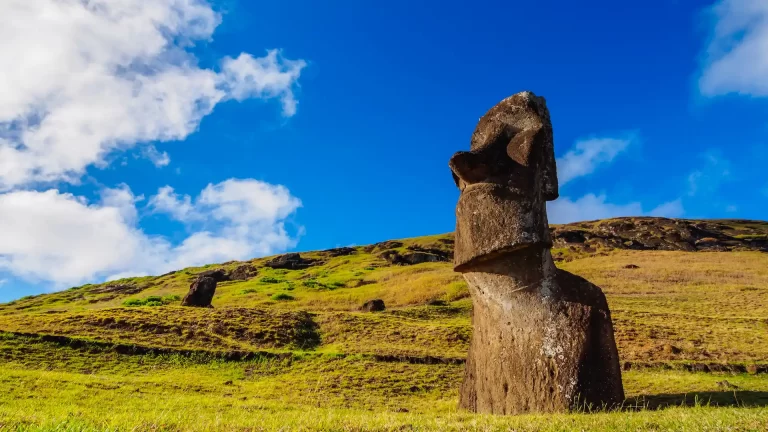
(288, 348)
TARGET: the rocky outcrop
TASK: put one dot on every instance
(542, 338)
(117, 288)
(383, 246)
(394, 257)
(291, 261)
(647, 233)
(443, 252)
(581, 239)
(242, 272)
(342, 251)
(200, 293)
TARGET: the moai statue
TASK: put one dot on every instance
(542, 338)
(201, 292)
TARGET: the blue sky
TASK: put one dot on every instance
(137, 138)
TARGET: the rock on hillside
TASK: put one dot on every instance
(646, 233)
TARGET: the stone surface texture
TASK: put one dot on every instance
(200, 292)
(376, 305)
(542, 338)
(291, 261)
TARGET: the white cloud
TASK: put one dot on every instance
(158, 158)
(61, 238)
(592, 207)
(736, 59)
(671, 209)
(265, 77)
(81, 80)
(247, 201)
(708, 178)
(122, 199)
(587, 154)
(588, 207)
(167, 201)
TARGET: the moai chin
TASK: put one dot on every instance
(542, 338)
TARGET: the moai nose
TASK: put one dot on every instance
(468, 168)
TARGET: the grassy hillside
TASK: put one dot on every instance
(291, 347)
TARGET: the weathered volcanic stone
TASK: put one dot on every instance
(290, 261)
(200, 292)
(412, 258)
(542, 338)
(342, 251)
(243, 272)
(373, 306)
(219, 275)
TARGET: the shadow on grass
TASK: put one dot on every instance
(732, 398)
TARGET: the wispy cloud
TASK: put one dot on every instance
(158, 158)
(671, 209)
(706, 179)
(736, 58)
(587, 155)
(592, 207)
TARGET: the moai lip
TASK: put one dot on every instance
(542, 338)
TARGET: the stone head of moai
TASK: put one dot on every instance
(505, 181)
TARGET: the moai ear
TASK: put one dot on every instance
(522, 147)
(533, 149)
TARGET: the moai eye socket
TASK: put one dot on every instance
(512, 145)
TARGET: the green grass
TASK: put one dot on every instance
(153, 300)
(48, 386)
(711, 307)
(288, 349)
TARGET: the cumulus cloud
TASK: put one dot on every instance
(167, 201)
(736, 59)
(587, 155)
(82, 80)
(592, 207)
(62, 238)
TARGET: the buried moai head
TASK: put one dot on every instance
(505, 181)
